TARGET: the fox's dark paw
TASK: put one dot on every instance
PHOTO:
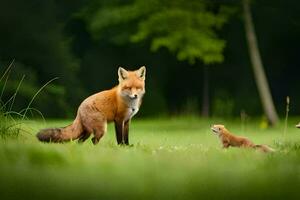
(126, 145)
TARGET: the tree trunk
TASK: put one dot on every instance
(259, 73)
(205, 94)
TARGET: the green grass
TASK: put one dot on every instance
(176, 158)
(8, 127)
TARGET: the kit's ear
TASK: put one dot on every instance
(141, 72)
(122, 73)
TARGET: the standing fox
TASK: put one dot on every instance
(228, 139)
(118, 104)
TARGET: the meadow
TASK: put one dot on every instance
(171, 158)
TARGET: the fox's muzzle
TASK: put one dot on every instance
(214, 130)
(133, 96)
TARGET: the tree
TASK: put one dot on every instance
(259, 73)
(33, 34)
(186, 29)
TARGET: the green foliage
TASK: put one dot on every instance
(9, 128)
(223, 105)
(33, 34)
(188, 30)
(48, 39)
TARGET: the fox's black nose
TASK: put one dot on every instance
(133, 96)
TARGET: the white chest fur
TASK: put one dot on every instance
(133, 108)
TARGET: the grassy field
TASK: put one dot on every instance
(176, 158)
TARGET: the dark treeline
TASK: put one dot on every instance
(48, 39)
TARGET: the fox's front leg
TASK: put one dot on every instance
(119, 127)
(126, 132)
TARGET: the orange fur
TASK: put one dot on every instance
(228, 139)
(118, 104)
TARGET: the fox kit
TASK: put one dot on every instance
(118, 104)
(228, 139)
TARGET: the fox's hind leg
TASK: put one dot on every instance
(93, 122)
(98, 133)
(84, 136)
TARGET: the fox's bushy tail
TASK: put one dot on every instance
(67, 133)
(264, 148)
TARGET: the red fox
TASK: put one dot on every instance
(118, 104)
(228, 139)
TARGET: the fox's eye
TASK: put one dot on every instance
(126, 88)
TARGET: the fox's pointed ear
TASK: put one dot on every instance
(142, 73)
(123, 74)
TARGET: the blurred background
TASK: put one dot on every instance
(199, 54)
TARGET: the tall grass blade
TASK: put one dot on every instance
(16, 92)
(7, 70)
(34, 96)
(4, 86)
